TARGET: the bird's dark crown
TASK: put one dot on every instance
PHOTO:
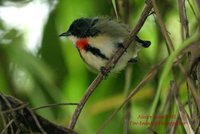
(84, 27)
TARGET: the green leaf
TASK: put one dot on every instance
(115, 8)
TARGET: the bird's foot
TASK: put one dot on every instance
(132, 61)
(104, 71)
(120, 45)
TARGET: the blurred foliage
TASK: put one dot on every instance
(57, 74)
(16, 3)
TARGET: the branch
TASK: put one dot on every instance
(111, 62)
(147, 78)
(19, 118)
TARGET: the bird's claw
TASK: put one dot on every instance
(133, 61)
(104, 71)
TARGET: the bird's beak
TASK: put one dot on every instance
(65, 34)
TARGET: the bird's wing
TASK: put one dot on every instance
(112, 27)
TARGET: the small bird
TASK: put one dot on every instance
(97, 39)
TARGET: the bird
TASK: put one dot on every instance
(98, 38)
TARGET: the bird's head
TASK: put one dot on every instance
(82, 28)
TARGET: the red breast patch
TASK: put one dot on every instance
(81, 43)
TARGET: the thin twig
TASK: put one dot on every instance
(190, 83)
(163, 29)
(14, 109)
(173, 127)
(6, 127)
(37, 122)
(181, 110)
(6, 102)
(26, 119)
(192, 8)
(110, 63)
(127, 109)
(169, 43)
(147, 78)
(3, 120)
(183, 19)
(192, 87)
(167, 38)
(185, 34)
(170, 48)
(124, 6)
(55, 105)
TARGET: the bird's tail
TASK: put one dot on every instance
(144, 43)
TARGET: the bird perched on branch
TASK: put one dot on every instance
(97, 39)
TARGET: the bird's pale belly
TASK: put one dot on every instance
(96, 62)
